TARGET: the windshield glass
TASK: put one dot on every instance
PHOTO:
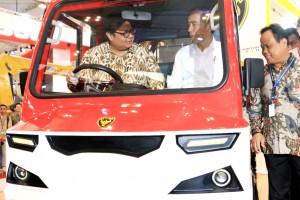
(146, 47)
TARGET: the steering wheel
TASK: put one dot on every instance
(111, 72)
(102, 85)
(108, 85)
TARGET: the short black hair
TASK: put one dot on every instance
(278, 32)
(18, 104)
(292, 31)
(202, 13)
(111, 24)
(3, 105)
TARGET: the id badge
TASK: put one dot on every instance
(272, 110)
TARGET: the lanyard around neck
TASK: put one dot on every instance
(2, 119)
(276, 83)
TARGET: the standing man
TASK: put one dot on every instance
(274, 115)
(294, 38)
(16, 116)
(5, 123)
(294, 41)
(200, 63)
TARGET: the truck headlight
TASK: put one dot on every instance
(206, 142)
(23, 142)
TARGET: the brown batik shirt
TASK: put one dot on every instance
(137, 66)
(282, 131)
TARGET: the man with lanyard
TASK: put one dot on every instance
(5, 123)
(200, 63)
(274, 115)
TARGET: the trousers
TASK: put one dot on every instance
(284, 176)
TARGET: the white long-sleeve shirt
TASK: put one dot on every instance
(194, 68)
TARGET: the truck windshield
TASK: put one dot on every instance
(131, 47)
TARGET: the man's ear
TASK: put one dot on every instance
(109, 35)
(208, 30)
(284, 41)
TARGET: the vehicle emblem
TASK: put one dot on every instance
(242, 11)
(105, 121)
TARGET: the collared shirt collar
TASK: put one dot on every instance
(211, 46)
(283, 65)
(107, 49)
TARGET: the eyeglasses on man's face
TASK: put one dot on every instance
(126, 33)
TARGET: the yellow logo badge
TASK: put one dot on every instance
(242, 11)
(105, 121)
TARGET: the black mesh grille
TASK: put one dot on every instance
(135, 146)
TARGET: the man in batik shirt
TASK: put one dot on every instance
(134, 63)
(275, 113)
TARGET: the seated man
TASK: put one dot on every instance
(200, 63)
(133, 63)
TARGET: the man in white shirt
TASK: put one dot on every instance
(200, 63)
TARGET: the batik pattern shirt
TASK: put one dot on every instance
(282, 131)
(137, 66)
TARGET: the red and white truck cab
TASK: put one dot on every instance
(191, 143)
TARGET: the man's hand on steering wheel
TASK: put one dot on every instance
(76, 83)
(73, 78)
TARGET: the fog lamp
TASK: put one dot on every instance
(221, 178)
(21, 174)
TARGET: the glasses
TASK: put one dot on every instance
(126, 33)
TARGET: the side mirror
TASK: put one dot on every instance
(253, 74)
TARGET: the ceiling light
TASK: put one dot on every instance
(42, 6)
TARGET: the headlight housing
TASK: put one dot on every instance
(206, 142)
(23, 142)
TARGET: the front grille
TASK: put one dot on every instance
(135, 146)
